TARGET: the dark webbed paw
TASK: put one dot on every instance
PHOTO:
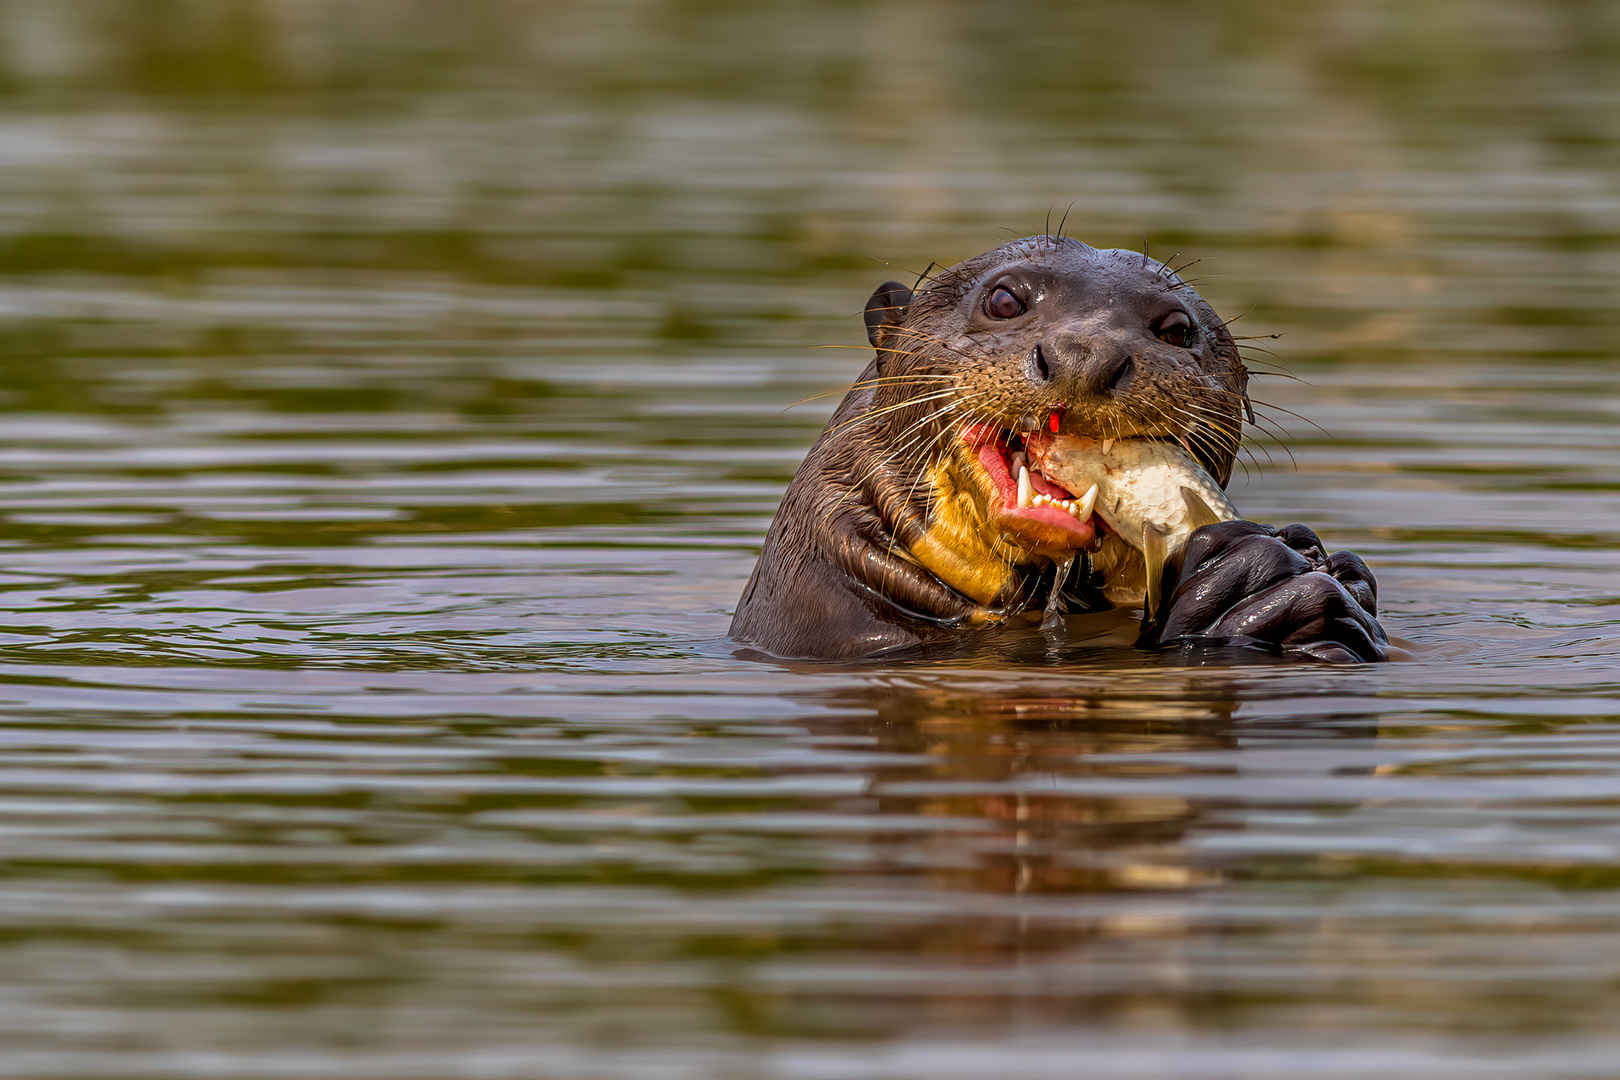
(1243, 583)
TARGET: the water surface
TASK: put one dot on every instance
(394, 399)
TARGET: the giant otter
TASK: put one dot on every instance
(922, 513)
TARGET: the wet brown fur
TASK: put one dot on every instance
(885, 538)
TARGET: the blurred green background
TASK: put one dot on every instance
(1369, 176)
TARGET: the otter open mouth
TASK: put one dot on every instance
(1032, 507)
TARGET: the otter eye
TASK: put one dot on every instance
(1002, 304)
(1175, 329)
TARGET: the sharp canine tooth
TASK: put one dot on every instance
(1026, 490)
(1088, 502)
(1108, 444)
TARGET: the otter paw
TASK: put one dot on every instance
(1246, 584)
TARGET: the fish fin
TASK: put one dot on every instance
(1154, 553)
(1199, 512)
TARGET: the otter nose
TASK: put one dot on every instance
(1089, 364)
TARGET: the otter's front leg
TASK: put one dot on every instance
(1243, 583)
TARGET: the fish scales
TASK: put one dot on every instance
(1153, 494)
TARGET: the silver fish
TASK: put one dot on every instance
(1152, 494)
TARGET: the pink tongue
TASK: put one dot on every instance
(1046, 487)
(996, 465)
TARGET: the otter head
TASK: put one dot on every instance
(1044, 334)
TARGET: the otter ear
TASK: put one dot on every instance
(884, 312)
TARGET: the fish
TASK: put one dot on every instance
(1151, 493)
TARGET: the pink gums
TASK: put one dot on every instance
(992, 450)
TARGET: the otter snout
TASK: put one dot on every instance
(1084, 363)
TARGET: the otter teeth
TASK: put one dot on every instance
(1088, 502)
(1080, 510)
(1027, 496)
(1107, 445)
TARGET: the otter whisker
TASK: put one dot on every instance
(918, 435)
(898, 380)
(899, 406)
(1213, 429)
(1289, 375)
(1297, 416)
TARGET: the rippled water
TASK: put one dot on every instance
(395, 396)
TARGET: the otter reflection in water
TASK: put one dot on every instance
(1041, 845)
(935, 502)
